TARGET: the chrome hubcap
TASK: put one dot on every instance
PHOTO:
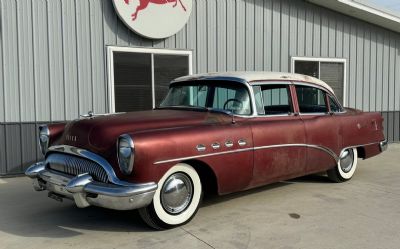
(346, 160)
(176, 193)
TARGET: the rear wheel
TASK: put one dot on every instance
(345, 167)
(176, 200)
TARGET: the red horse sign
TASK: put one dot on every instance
(155, 19)
(144, 3)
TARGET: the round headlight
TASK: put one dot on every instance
(44, 137)
(126, 154)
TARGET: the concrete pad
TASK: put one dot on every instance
(308, 212)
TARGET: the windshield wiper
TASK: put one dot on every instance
(183, 107)
(209, 109)
(227, 112)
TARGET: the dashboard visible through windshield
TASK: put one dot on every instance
(214, 95)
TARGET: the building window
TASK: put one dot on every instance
(330, 70)
(139, 77)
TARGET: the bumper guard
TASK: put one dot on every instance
(85, 191)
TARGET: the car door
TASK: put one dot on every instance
(322, 129)
(277, 134)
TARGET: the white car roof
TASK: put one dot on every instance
(255, 76)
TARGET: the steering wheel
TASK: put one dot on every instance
(233, 100)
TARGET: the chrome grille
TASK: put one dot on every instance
(73, 165)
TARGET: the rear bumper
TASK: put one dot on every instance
(85, 191)
(383, 145)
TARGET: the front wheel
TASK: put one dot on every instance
(176, 200)
(345, 167)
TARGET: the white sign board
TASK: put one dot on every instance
(155, 19)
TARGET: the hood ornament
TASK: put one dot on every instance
(90, 114)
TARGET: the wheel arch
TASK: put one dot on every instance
(361, 152)
(207, 176)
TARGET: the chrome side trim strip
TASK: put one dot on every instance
(93, 157)
(318, 147)
(201, 156)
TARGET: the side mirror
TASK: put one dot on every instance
(232, 116)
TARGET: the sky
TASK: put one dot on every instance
(393, 5)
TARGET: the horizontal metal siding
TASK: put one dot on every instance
(18, 147)
(13, 144)
(3, 157)
(29, 145)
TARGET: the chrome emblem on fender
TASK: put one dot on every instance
(242, 142)
(201, 147)
(229, 143)
(215, 146)
(71, 138)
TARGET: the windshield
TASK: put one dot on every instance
(215, 95)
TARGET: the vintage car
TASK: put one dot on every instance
(213, 133)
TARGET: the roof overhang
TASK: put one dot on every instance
(364, 11)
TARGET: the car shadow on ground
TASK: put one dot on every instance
(316, 178)
(209, 200)
(31, 214)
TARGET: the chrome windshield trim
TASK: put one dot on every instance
(90, 156)
(313, 146)
(221, 78)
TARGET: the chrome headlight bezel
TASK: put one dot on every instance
(44, 138)
(126, 153)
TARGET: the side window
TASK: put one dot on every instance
(311, 99)
(235, 99)
(273, 99)
(258, 97)
(335, 107)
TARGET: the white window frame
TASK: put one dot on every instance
(152, 52)
(321, 59)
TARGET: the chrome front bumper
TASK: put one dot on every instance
(85, 191)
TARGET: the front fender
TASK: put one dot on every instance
(157, 151)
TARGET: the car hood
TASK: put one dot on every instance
(100, 133)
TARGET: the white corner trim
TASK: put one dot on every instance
(322, 59)
(152, 51)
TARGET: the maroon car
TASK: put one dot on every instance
(221, 133)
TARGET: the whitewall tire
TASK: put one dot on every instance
(345, 167)
(176, 200)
